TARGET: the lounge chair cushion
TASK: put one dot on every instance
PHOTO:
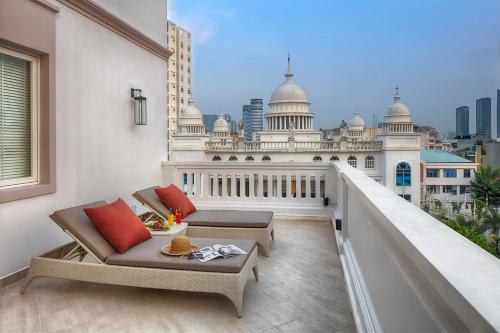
(148, 254)
(119, 225)
(209, 218)
(149, 197)
(230, 218)
(172, 197)
(76, 221)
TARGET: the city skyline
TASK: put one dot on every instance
(438, 66)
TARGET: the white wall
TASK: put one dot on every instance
(147, 16)
(101, 154)
(406, 271)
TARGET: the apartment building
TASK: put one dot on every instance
(446, 177)
(179, 75)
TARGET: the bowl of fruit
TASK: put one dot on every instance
(157, 225)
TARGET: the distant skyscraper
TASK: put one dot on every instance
(462, 120)
(498, 113)
(483, 116)
(209, 119)
(253, 114)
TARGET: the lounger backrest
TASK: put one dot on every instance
(76, 221)
(149, 197)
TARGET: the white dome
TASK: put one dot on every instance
(289, 91)
(357, 121)
(192, 112)
(221, 125)
(398, 109)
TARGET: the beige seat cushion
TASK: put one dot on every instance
(149, 197)
(148, 254)
(76, 221)
(229, 218)
(210, 218)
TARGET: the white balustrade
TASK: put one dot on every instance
(300, 146)
(297, 189)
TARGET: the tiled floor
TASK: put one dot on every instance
(301, 289)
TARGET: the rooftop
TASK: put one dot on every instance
(440, 156)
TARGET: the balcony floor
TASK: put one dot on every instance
(301, 289)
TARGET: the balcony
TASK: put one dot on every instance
(403, 269)
(349, 255)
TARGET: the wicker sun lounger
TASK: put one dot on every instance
(226, 224)
(142, 265)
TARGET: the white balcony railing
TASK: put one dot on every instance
(292, 146)
(298, 188)
(404, 270)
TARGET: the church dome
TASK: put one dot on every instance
(192, 112)
(398, 109)
(221, 125)
(289, 91)
(357, 121)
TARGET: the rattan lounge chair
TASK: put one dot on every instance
(142, 265)
(226, 224)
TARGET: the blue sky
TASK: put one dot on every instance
(346, 54)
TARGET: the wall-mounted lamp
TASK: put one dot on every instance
(140, 110)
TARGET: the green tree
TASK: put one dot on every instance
(486, 186)
(489, 221)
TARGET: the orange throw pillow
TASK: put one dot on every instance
(119, 225)
(174, 198)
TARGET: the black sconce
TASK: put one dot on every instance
(140, 109)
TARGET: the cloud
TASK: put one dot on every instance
(200, 18)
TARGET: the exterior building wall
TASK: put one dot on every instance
(397, 149)
(441, 181)
(179, 75)
(483, 116)
(462, 121)
(253, 117)
(95, 134)
(498, 113)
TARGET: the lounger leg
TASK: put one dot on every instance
(256, 273)
(82, 255)
(238, 304)
(272, 234)
(26, 284)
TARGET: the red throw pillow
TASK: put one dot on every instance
(119, 225)
(174, 198)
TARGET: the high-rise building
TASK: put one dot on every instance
(498, 113)
(483, 116)
(462, 120)
(178, 74)
(253, 117)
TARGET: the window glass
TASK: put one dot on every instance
(407, 197)
(466, 173)
(369, 162)
(18, 127)
(403, 174)
(352, 161)
(451, 189)
(432, 173)
(450, 173)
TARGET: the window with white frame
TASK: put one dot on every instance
(18, 118)
(370, 162)
(353, 161)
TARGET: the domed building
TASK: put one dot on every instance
(357, 127)
(188, 144)
(397, 119)
(289, 112)
(221, 130)
(191, 120)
